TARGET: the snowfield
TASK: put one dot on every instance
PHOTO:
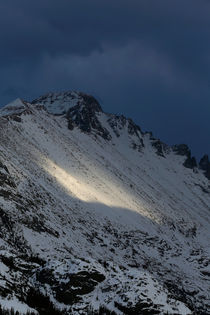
(103, 219)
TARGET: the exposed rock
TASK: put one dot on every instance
(92, 226)
(5, 178)
(190, 162)
(183, 150)
(120, 123)
(84, 116)
(117, 123)
(60, 103)
(4, 167)
(144, 308)
(204, 165)
(80, 109)
(133, 128)
(79, 284)
(160, 147)
(75, 285)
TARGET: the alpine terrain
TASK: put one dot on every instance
(97, 216)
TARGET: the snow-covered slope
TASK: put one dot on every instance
(97, 216)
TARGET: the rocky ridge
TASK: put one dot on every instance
(81, 111)
(98, 217)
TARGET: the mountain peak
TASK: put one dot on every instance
(61, 103)
(95, 212)
(15, 107)
(84, 112)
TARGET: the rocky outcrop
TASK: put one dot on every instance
(183, 150)
(84, 116)
(80, 109)
(161, 148)
(5, 178)
(117, 123)
(121, 123)
(204, 165)
(83, 111)
(73, 287)
(190, 162)
(95, 224)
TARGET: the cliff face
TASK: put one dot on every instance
(98, 216)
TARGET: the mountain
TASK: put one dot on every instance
(97, 216)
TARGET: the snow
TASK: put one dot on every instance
(103, 200)
(59, 103)
(14, 303)
(15, 107)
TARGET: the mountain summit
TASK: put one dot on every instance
(81, 111)
(97, 216)
(61, 103)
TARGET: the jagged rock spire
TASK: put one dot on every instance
(183, 149)
(204, 165)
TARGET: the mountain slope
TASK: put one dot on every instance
(98, 215)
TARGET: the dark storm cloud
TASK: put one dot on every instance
(149, 59)
(83, 26)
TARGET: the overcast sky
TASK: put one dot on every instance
(149, 60)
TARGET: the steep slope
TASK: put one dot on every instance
(98, 216)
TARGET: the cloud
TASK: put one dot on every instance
(127, 53)
(159, 40)
(113, 65)
(57, 27)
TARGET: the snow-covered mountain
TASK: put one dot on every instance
(98, 217)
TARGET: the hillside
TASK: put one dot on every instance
(97, 216)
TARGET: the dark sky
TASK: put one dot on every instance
(149, 60)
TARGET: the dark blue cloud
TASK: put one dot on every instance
(147, 59)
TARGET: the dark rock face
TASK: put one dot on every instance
(41, 303)
(190, 162)
(183, 150)
(16, 118)
(141, 307)
(5, 222)
(74, 286)
(2, 166)
(63, 98)
(204, 162)
(81, 283)
(91, 102)
(120, 123)
(159, 146)
(84, 116)
(5, 178)
(133, 128)
(79, 108)
(204, 165)
(117, 123)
